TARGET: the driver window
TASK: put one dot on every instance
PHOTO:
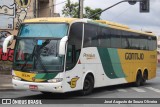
(74, 45)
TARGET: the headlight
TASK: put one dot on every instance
(16, 78)
(55, 80)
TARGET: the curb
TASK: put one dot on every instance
(8, 87)
(4, 87)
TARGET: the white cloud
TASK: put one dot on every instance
(126, 14)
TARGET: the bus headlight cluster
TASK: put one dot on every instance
(16, 78)
(55, 80)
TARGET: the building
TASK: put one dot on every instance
(12, 14)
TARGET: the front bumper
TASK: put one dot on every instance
(47, 87)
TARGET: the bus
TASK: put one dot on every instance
(61, 55)
(158, 51)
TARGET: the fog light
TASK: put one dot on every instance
(58, 88)
(16, 78)
(55, 80)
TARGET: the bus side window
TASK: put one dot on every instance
(115, 38)
(70, 59)
(152, 43)
(90, 35)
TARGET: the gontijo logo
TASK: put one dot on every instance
(134, 56)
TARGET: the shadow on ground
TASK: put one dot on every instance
(71, 95)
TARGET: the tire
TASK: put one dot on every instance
(145, 77)
(138, 81)
(88, 85)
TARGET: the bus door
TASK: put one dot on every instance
(73, 68)
(73, 64)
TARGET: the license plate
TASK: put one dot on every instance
(33, 87)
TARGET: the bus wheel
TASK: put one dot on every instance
(88, 85)
(145, 77)
(138, 79)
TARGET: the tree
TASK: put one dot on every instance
(89, 12)
(71, 10)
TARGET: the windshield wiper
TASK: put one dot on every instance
(36, 54)
(38, 58)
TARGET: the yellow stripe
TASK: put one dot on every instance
(27, 76)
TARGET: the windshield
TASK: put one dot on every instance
(40, 55)
(57, 30)
(37, 45)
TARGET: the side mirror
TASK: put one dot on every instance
(62, 45)
(6, 42)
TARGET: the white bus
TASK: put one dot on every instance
(158, 51)
(60, 55)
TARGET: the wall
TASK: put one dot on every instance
(12, 14)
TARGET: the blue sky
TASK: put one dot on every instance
(126, 14)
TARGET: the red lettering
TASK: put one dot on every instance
(6, 56)
(1, 53)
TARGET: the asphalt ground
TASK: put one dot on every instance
(5, 82)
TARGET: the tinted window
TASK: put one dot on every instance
(152, 43)
(143, 42)
(90, 35)
(135, 41)
(104, 37)
(57, 30)
(100, 36)
(115, 38)
(126, 40)
(74, 45)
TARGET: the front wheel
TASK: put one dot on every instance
(88, 85)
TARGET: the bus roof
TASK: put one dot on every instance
(50, 19)
(99, 22)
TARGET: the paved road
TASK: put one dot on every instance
(150, 90)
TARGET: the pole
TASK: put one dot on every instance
(113, 6)
(107, 8)
(81, 9)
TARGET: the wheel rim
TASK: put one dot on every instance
(145, 77)
(87, 84)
